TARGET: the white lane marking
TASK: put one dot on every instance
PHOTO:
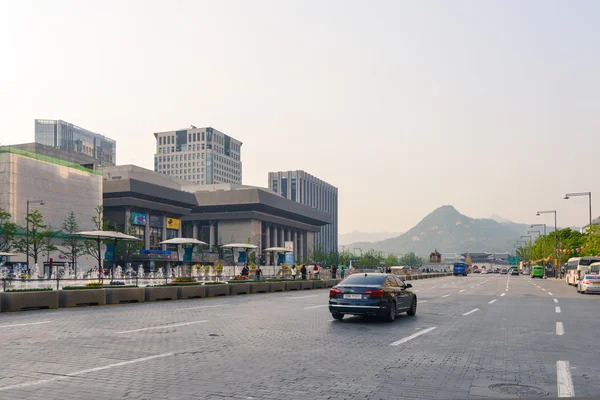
(560, 328)
(30, 323)
(471, 312)
(460, 291)
(446, 295)
(198, 308)
(506, 290)
(564, 381)
(413, 336)
(322, 305)
(543, 289)
(503, 294)
(555, 300)
(303, 297)
(493, 301)
(163, 326)
(550, 294)
(434, 287)
(557, 309)
(423, 301)
(83, 372)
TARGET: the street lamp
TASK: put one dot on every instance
(589, 194)
(555, 233)
(41, 203)
(544, 225)
(523, 242)
(527, 236)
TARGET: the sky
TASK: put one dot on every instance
(490, 106)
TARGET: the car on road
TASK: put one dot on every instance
(537, 271)
(504, 271)
(588, 284)
(476, 270)
(381, 295)
(514, 271)
(484, 270)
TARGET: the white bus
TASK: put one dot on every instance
(577, 266)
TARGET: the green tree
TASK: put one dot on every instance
(8, 231)
(39, 237)
(391, 260)
(91, 246)
(126, 248)
(411, 260)
(72, 246)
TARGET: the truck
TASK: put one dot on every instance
(460, 269)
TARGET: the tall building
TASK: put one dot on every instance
(308, 190)
(72, 138)
(203, 156)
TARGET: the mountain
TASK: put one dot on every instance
(500, 219)
(449, 231)
(345, 239)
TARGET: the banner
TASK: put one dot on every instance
(156, 221)
(138, 218)
(289, 246)
(173, 223)
(289, 258)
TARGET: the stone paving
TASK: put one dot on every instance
(286, 346)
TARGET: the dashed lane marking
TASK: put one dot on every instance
(322, 305)
(163, 326)
(27, 324)
(447, 295)
(413, 336)
(493, 301)
(564, 381)
(557, 309)
(503, 294)
(303, 297)
(555, 300)
(471, 312)
(560, 328)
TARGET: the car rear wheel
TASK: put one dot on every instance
(338, 316)
(413, 308)
(391, 312)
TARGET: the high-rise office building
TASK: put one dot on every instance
(311, 191)
(72, 138)
(204, 156)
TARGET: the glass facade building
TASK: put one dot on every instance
(308, 190)
(72, 138)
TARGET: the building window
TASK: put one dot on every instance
(275, 185)
(155, 238)
(284, 187)
(293, 189)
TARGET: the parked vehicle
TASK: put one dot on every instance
(382, 295)
(578, 266)
(537, 271)
(484, 270)
(476, 269)
(460, 269)
(588, 284)
(514, 271)
(504, 271)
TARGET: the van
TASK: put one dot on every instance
(537, 271)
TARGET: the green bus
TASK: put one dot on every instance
(537, 271)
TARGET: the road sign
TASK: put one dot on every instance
(513, 260)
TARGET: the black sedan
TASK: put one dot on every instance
(381, 295)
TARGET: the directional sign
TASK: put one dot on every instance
(513, 260)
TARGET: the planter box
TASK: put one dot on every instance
(191, 292)
(292, 285)
(81, 298)
(125, 295)
(239, 288)
(160, 293)
(20, 301)
(306, 285)
(217, 290)
(277, 286)
(329, 283)
(318, 284)
(260, 287)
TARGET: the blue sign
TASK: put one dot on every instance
(289, 258)
(187, 256)
(110, 250)
(280, 259)
(242, 257)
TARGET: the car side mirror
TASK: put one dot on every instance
(408, 286)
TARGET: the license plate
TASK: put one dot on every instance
(353, 296)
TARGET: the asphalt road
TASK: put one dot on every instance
(482, 336)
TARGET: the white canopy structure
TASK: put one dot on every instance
(183, 241)
(3, 254)
(278, 250)
(239, 246)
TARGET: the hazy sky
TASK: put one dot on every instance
(493, 107)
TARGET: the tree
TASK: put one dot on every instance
(126, 248)
(411, 260)
(8, 231)
(72, 245)
(391, 260)
(91, 246)
(39, 237)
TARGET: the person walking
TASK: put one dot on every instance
(316, 272)
(333, 271)
(258, 272)
(342, 273)
(303, 271)
(294, 271)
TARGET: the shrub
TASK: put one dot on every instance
(215, 283)
(91, 287)
(119, 286)
(93, 284)
(183, 280)
(30, 290)
(116, 283)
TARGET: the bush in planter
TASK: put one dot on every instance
(82, 287)
(215, 283)
(186, 284)
(119, 286)
(116, 283)
(91, 284)
(183, 280)
(30, 290)
(276, 280)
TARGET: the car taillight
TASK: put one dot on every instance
(374, 293)
(334, 292)
(586, 282)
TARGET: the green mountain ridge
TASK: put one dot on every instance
(449, 231)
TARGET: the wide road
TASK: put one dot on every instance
(482, 336)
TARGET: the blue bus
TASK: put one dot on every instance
(460, 269)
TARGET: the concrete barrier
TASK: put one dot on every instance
(329, 283)
(81, 298)
(21, 301)
(160, 293)
(217, 290)
(191, 292)
(260, 287)
(292, 285)
(239, 288)
(276, 286)
(125, 295)
(318, 284)
(306, 285)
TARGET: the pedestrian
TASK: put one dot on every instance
(243, 273)
(342, 272)
(258, 273)
(333, 271)
(303, 271)
(294, 271)
(316, 272)
(388, 270)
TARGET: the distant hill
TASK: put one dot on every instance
(449, 231)
(345, 239)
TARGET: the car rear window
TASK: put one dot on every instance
(361, 279)
(596, 277)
